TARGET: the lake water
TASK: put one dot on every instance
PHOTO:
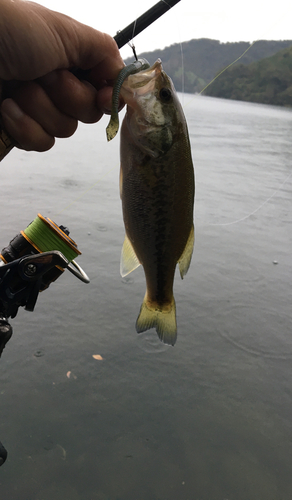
(211, 418)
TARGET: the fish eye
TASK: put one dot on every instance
(165, 94)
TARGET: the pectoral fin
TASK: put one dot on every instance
(185, 258)
(129, 260)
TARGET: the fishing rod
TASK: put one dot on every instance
(39, 254)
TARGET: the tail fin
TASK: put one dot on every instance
(163, 319)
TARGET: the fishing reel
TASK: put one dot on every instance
(33, 259)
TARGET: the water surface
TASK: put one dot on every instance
(209, 419)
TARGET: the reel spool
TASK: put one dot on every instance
(35, 258)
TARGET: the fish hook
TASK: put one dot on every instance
(133, 49)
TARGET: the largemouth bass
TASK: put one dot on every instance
(157, 192)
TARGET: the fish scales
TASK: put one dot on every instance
(157, 191)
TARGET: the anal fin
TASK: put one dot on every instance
(129, 259)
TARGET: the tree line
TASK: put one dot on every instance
(263, 73)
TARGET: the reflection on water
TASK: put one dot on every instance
(149, 342)
(209, 419)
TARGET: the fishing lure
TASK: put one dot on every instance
(131, 69)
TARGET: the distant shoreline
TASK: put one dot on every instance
(262, 72)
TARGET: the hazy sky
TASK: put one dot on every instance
(227, 20)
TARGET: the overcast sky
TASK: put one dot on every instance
(227, 20)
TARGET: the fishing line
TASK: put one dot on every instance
(229, 66)
(223, 71)
(238, 58)
(257, 209)
(133, 34)
(44, 235)
(182, 56)
(182, 72)
(169, 6)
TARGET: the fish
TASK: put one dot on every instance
(157, 187)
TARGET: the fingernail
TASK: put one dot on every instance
(11, 110)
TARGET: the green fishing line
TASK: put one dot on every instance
(46, 236)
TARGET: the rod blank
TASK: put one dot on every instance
(140, 24)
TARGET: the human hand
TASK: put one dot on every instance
(42, 98)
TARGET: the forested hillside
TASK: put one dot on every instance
(267, 81)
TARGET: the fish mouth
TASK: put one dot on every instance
(148, 121)
(140, 92)
(141, 83)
